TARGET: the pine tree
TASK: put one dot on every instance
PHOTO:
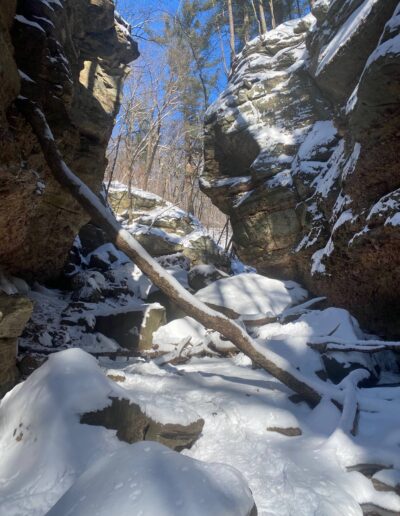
(188, 38)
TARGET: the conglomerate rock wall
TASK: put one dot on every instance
(302, 152)
(71, 57)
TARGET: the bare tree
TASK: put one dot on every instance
(211, 319)
(231, 30)
(262, 16)
(271, 8)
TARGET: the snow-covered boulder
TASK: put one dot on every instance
(149, 479)
(43, 442)
(306, 343)
(163, 228)
(202, 275)
(250, 294)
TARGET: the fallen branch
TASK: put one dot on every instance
(350, 413)
(174, 356)
(288, 315)
(363, 346)
(272, 363)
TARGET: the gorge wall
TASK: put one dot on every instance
(71, 56)
(302, 152)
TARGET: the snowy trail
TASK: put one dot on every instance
(303, 475)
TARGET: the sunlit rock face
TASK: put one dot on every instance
(302, 153)
(73, 57)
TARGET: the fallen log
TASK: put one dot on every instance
(272, 363)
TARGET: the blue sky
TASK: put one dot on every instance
(136, 11)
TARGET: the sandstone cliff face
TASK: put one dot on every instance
(302, 153)
(72, 57)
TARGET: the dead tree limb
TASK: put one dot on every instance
(272, 363)
(350, 413)
(325, 344)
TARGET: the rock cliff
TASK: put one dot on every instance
(302, 153)
(71, 56)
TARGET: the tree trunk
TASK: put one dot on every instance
(231, 31)
(262, 16)
(274, 364)
(271, 8)
(246, 26)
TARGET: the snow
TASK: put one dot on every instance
(52, 462)
(179, 331)
(352, 102)
(324, 182)
(150, 479)
(42, 444)
(282, 179)
(117, 186)
(387, 205)
(290, 340)
(344, 34)
(322, 133)
(390, 477)
(391, 46)
(394, 220)
(305, 475)
(350, 165)
(25, 77)
(252, 294)
(25, 21)
(11, 285)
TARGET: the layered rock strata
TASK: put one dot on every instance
(71, 57)
(302, 153)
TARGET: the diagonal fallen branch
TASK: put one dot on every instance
(272, 363)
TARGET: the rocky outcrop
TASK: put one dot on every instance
(301, 152)
(164, 229)
(72, 58)
(133, 425)
(14, 313)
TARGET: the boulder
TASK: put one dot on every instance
(202, 275)
(133, 425)
(164, 229)
(251, 294)
(147, 478)
(91, 237)
(14, 314)
(131, 327)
